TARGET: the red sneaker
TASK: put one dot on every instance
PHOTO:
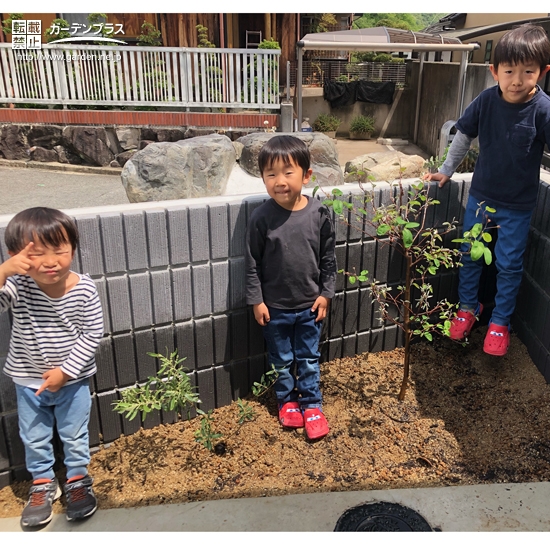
(497, 340)
(315, 423)
(462, 324)
(290, 415)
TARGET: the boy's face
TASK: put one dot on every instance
(50, 266)
(517, 82)
(284, 181)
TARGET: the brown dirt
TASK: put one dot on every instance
(467, 418)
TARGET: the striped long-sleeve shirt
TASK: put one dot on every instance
(51, 332)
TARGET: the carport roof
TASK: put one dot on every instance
(380, 39)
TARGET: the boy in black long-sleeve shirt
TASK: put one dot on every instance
(290, 274)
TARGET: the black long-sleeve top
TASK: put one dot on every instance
(289, 255)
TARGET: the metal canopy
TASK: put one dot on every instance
(385, 39)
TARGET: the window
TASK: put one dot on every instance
(488, 51)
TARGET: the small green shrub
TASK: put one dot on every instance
(362, 124)
(266, 381)
(170, 389)
(206, 434)
(246, 412)
(326, 123)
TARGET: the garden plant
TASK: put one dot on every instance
(402, 225)
(169, 390)
(326, 123)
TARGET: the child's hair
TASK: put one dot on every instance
(523, 44)
(285, 148)
(48, 225)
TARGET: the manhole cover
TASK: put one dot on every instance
(381, 516)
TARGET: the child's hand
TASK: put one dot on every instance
(261, 314)
(54, 380)
(17, 264)
(321, 306)
(439, 177)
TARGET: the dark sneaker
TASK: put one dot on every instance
(463, 322)
(81, 501)
(497, 340)
(39, 509)
(290, 415)
(315, 423)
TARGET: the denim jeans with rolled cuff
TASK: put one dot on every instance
(513, 232)
(293, 336)
(68, 410)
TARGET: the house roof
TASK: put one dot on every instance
(473, 32)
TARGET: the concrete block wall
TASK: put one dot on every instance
(171, 276)
(532, 316)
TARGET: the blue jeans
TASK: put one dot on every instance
(513, 232)
(293, 335)
(69, 410)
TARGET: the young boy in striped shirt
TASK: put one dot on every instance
(56, 329)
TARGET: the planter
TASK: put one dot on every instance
(360, 135)
(330, 134)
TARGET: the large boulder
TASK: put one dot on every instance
(195, 167)
(91, 143)
(14, 144)
(170, 134)
(44, 135)
(384, 166)
(40, 154)
(324, 158)
(128, 138)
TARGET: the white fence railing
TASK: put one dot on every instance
(140, 76)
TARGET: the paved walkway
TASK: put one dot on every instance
(489, 508)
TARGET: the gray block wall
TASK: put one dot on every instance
(532, 316)
(171, 276)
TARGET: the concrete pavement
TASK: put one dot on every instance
(521, 507)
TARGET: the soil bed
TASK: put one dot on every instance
(468, 418)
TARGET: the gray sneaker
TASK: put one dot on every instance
(81, 501)
(39, 509)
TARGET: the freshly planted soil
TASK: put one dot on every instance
(467, 418)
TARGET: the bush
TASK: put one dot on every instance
(326, 123)
(362, 125)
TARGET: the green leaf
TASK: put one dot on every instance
(487, 256)
(352, 279)
(315, 189)
(476, 230)
(338, 207)
(383, 229)
(489, 209)
(407, 238)
(477, 251)
(336, 192)
(432, 269)
(428, 336)
(487, 237)
(411, 225)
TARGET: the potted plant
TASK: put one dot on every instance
(328, 124)
(361, 127)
